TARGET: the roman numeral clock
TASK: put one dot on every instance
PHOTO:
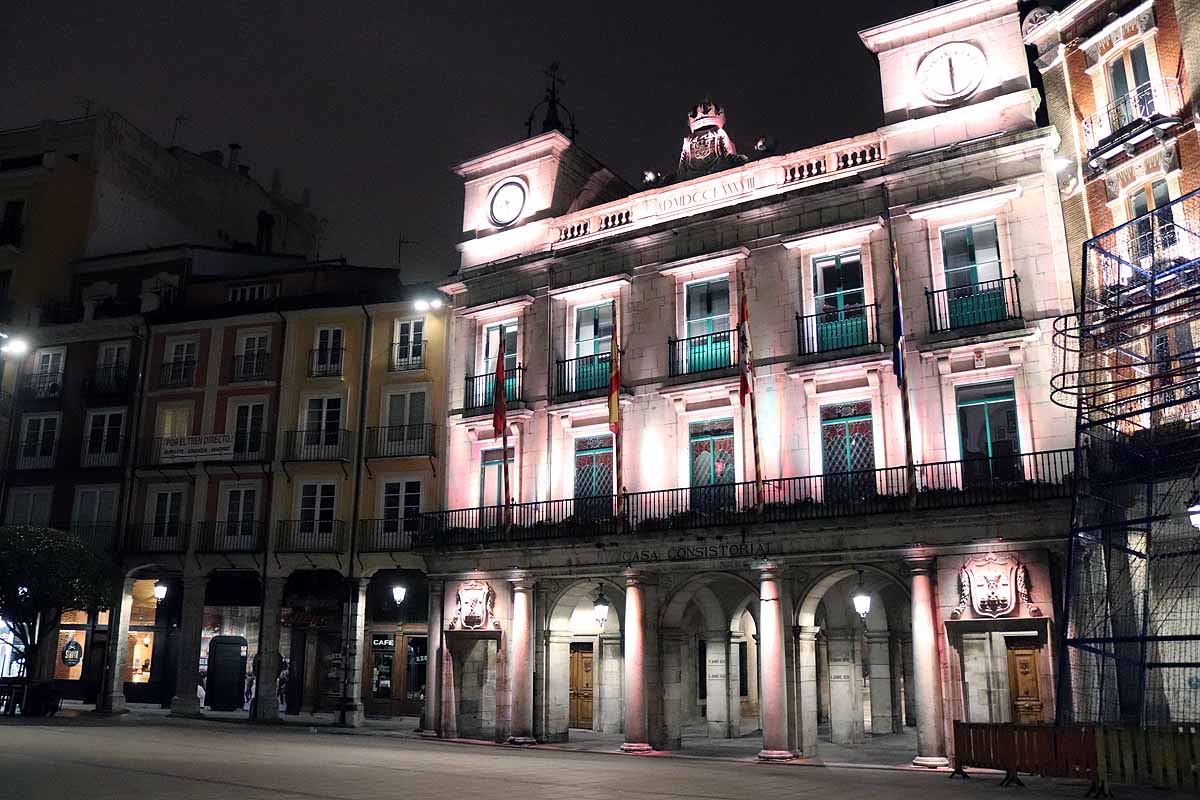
(951, 72)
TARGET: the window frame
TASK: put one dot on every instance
(31, 492)
(396, 360)
(52, 457)
(92, 414)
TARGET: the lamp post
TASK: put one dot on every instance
(398, 593)
(160, 591)
(601, 605)
(861, 600)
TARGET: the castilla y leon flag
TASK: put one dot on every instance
(745, 352)
(614, 385)
(499, 404)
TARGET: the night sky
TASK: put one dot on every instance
(370, 105)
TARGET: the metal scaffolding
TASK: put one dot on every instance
(1131, 623)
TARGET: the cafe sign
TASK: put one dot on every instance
(208, 447)
(72, 654)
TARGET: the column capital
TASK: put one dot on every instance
(807, 632)
(637, 577)
(922, 566)
(878, 637)
(723, 636)
(522, 581)
(767, 570)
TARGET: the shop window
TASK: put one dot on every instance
(68, 618)
(68, 664)
(144, 607)
(417, 662)
(140, 657)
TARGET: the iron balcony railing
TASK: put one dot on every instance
(310, 536)
(406, 356)
(480, 389)
(177, 374)
(704, 353)
(386, 534)
(586, 376)
(45, 385)
(107, 382)
(35, 454)
(326, 362)
(828, 331)
(323, 444)
(167, 536)
(241, 536)
(99, 536)
(104, 452)
(400, 441)
(250, 366)
(247, 447)
(1144, 104)
(974, 304)
(1021, 478)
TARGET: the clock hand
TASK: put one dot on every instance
(950, 66)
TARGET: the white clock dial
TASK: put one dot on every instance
(951, 72)
(507, 202)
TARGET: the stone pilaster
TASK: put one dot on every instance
(431, 715)
(721, 705)
(112, 691)
(266, 702)
(191, 626)
(880, 681)
(808, 652)
(520, 664)
(350, 712)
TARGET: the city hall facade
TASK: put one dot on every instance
(897, 566)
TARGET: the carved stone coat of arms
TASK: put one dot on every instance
(992, 586)
(475, 606)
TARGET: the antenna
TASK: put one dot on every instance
(180, 119)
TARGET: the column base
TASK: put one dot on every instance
(520, 740)
(636, 747)
(183, 708)
(352, 716)
(775, 755)
(429, 734)
(931, 762)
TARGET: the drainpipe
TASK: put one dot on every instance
(347, 625)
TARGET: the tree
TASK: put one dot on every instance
(44, 572)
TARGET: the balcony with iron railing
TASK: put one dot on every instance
(250, 366)
(323, 444)
(242, 536)
(386, 534)
(975, 304)
(480, 390)
(400, 441)
(310, 536)
(582, 377)
(406, 356)
(837, 331)
(43, 385)
(1145, 107)
(109, 382)
(166, 536)
(326, 362)
(34, 454)
(177, 374)
(107, 451)
(707, 353)
(978, 482)
(100, 536)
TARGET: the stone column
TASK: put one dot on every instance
(845, 688)
(927, 690)
(637, 731)
(112, 692)
(895, 662)
(185, 703)
(266, 703)
(810, 649)
(774, 680)
(823, 679)
(717, 680)
(350, 712)
(878, 644)
(520, 665)
(431, 716)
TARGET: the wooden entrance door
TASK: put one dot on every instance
(581, 685)
(1025, 685)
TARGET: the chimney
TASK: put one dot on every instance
(234, 149)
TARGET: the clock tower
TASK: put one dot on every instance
(953, 73)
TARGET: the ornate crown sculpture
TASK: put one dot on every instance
(706, 113)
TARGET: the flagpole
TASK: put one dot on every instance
(899, 367)
(758, 478)
(746, 367)
(504, 478)
(614, 369)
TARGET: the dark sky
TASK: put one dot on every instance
(370, 105)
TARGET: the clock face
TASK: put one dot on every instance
(951, 72)
(507, 202)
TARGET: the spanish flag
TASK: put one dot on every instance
(614, 384)
(499, 396)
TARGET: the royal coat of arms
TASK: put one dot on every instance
(475, 606)
(992, 585)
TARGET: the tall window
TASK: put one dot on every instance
(29, 506)
(1131, 95)
(327, 360)
(708, 339)
(180, 370)
(94, 506)
(46, 380)
(113, 356)
(252, 357)
(491, 477)
(593, 348)
(175, 421)
(492, 336)
(168, 514)
(38, 441)
(988, 430)
(408, 347)
(401, 505)
(240, 510)
(847, 450)
(838, 299)
(323, 421)
(318, 502)
(1154, 197)
(102, 442)
(406, 423)
(248, 427)
(971, 262)
(712, 459)
(594, 475)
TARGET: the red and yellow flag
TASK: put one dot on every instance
(499, 396)
(614, 384)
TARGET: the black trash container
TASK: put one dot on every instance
(225, 689)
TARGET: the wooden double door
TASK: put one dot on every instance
(1025, 685)
(582, 685)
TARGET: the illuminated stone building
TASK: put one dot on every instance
(731, 613)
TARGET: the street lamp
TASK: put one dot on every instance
(160, 591)
(862, 600)
(14, 345)
(424, 304)
(398, 593)
(600, 606)
(1194, 511)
